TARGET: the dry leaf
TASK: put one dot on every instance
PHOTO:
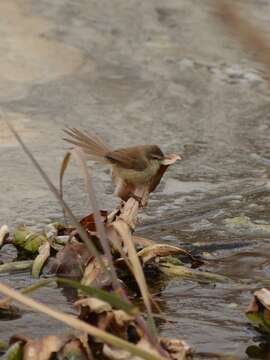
(263, 296)
(65, 347)
(42, 349)
(142, 241)
(71, 260)
(177, 349)
(102, 315)
(160, 250)
(44, 253)
(8, 311)
(95, 305)
(94, 276)
(73, 349)
(4, 232)
(88, 222)
(258, 311)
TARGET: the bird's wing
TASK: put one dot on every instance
(129, 158)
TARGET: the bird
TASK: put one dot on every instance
(135, 167)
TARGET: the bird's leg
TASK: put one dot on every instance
(141, 195)
(137, 198)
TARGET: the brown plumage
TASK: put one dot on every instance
(132, 167)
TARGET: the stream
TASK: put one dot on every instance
(137, 72)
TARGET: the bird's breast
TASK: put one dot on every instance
(136, 177)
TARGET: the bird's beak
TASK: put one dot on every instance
(170, 159)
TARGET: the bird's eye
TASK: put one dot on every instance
(156, 157)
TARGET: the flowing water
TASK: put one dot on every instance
(138, 72)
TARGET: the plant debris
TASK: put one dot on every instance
(105, 255)
(4, 232)
(258, 311)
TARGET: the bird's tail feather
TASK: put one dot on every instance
(92, 145)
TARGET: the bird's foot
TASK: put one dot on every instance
(137, 198)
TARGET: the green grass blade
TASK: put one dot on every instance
(111, 298)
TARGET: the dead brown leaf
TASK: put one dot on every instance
(94, 276)
(142, 241)
(73, 349)
(261, 296)
(44, 253)
(88, 222)
(66, 347)
(177, 349)
(102, 315)
(42, 349)
(4, 233)
(258, 312)
(160, 250)
(70, 261)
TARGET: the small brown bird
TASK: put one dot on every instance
(132, 167)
